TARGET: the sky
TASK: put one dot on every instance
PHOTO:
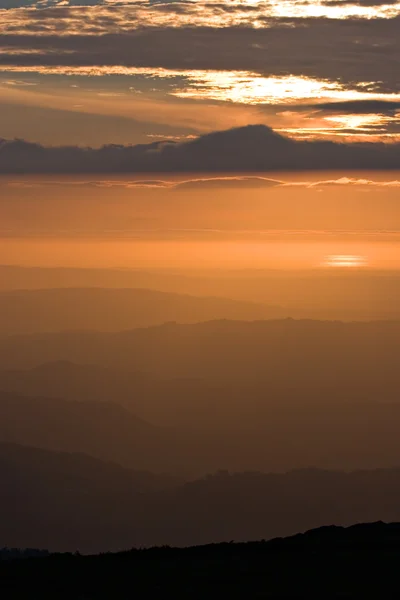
(281, 220)
(88, 72)
(270, 125)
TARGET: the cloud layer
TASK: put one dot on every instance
(248, 149)
(321, 68)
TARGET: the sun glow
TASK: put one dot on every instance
(334, 10)
(360, 122)
(345, 261)
(250, 88)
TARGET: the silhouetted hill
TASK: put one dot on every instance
(330, 562)
(70, 497)
(31, 311)
(73, 502)
(21, 554)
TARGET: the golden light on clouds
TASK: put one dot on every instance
(271, 61)
(360, 122)
(244, 87)
(114, 16)
(249, 88)
(335, 10)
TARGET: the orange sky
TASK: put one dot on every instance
(116, 253)
(278, 221)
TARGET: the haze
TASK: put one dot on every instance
(222, 221)
(199, 297)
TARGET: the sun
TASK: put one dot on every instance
(345, 261)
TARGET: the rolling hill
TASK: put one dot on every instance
(271, 438)
(71, 502)
(46, 310)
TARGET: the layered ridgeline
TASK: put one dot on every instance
(32, 311)
(181, 401)
(190, 399)
(228, 351)
(261, 435)
(363, 294)
(68, 502)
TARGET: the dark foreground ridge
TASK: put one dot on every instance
(329, 562)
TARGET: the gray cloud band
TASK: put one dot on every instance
(349, 51)
(247, 149)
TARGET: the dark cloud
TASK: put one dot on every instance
(7, 4)
(348, 51)
(16, 3)
(247, 149)
(356, 107)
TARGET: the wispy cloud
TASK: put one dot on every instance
(235, 182)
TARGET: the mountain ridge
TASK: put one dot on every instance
(69, 501)
(55, 309)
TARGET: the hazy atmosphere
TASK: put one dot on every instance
(199, 298)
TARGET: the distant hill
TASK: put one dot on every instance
(173, 402)
(68, 471)
(257, 436)
(331, 562)
(33, 311)
(228, 351)
(206, 404)
(314, 293)
(190, 399)
(70, 497)
(102, 429)
(73, 502)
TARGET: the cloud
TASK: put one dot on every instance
(8, 4)
(247, 149)
(345, 182)
(368, 3)
(101, 183)
(354, 107)
(349, 51)
(227, 182)
(26, 15)
(111, 47)
(354, 120)
(184, 60)
(211, 183)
